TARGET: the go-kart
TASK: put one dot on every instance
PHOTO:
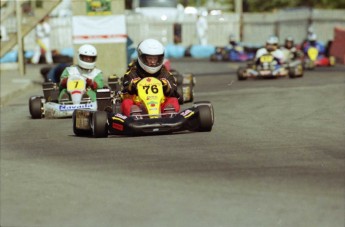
(236, 55)
(150, 120)
(314, 59)
(293, 62)
(267, 67)
(185, 85)
(48, 106)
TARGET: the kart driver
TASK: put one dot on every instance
(149, 64)
(312, 42)
(234, 45)
(289, 49)
(87, 55)
(272, 48)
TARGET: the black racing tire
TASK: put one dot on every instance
(301, 69)
(291, 72)
(179, 79)
(180, 92)
(225, 57)
(310, 65)
(100, 124)
(240, 72)
(76, 131)
(191, 89)
(332, 61)
(116, 107)
(205, 118)
(35, 107)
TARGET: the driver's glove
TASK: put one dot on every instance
(166, 85)
(92, 84)
(132, 87)
(63, 82)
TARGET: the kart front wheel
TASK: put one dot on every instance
(240, 73)
(205, 119)
(35, 107)
(100, 124)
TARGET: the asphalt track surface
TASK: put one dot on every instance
(275, 157)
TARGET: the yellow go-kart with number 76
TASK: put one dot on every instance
(199, 117)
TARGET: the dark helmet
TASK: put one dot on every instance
(232, 40)
(289, 42)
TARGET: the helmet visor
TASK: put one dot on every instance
(87, 58)
(152, 60)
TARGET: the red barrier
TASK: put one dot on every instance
(338, 45)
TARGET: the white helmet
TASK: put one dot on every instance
(90, 51)
(273, 40)
(312, 37)
(150, 47)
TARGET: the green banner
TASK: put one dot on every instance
(98, 7)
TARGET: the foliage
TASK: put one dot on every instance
(270, 5)
(260, 6)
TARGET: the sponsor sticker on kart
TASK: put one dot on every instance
(117, 126)
(119, 117)
(187, 113)
(76, 107)
(124, 117)
(265, 72)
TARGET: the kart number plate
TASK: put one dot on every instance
(266, 58)
(78, 84)
(313, 53)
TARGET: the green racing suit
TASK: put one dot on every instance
(94, 76)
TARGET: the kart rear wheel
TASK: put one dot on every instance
(191, 89)
(292, 72)
(180, 92)
(35, 107)
(332, 60)
(205, 118)
(76, 131)
(100, 124)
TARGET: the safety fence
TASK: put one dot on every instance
(256, 27)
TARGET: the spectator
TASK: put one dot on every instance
(42, 42)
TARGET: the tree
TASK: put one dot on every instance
(267, 6)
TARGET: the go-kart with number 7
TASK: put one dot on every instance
(48, 106)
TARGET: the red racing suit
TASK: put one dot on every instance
(135, 73)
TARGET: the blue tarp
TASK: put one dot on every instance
(202, 51)
(174, 51)
(67, 52)
(11, 56)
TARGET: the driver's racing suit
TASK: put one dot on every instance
(94, 80)
(134, 74)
